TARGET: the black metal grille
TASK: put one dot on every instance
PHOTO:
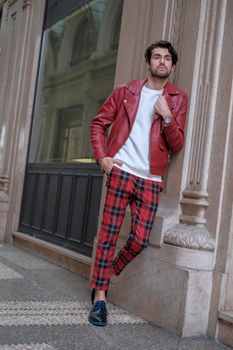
(61, 204)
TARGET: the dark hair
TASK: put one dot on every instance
(163, 44)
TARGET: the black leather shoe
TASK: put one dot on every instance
(93, 295)
(98, 314)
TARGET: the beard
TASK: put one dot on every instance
(161, 74)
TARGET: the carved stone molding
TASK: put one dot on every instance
(194, 204)
(4, 187)
(4, 198)
(26, 3)
(2, 2)
(4, 183)
(11, 2)
(175, 24)
(190, 236)
(13, 15)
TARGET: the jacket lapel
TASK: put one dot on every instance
(169, 101)
(169, 91)
(131, 103)
(132, 98)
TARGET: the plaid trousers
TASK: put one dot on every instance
(143, 197)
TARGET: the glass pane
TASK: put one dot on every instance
(76, 74)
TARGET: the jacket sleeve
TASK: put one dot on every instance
(174, 132)
(100, 124)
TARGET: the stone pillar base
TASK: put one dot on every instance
(3, 217)
(190, 236)
(225, 330)
(171, 296)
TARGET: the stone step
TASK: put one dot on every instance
(226, 316)
(60, 256)
(225, 332)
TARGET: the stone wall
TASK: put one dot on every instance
(184, 277)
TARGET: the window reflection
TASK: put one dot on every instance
(85, 39)
(76, 74)
(69, 134)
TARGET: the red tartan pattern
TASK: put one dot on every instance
(143, 197)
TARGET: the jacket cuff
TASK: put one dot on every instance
(99, 160)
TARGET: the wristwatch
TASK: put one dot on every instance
(167, 120)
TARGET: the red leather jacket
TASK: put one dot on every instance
(119, 111)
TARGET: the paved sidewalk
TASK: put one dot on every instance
(45, 307)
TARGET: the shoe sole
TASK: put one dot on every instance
(98, 324)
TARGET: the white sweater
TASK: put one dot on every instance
(135, 152)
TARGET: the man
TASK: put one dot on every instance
(147, 119)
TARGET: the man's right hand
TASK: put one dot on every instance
(107, 164)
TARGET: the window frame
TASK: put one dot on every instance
(58, 9)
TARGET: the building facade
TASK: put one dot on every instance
(59, 61)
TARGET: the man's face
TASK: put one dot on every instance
(160, 65)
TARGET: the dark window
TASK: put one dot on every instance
(77, 71)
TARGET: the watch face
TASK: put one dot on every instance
(167, 120)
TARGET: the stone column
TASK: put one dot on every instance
(192, 232)
(15, 44)
(21, 30)
(4, 177)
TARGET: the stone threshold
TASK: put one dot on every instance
(65, 258)
(225, 330)
(226, 316)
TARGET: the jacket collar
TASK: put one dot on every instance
(170, 89)
(135, 87)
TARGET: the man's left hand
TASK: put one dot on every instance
(161, 107)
